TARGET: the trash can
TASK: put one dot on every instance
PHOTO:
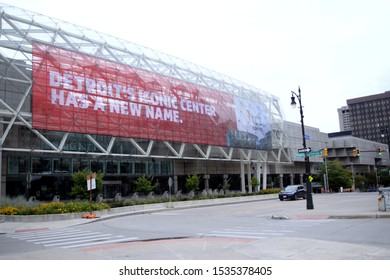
(384, 199)
(381, 202)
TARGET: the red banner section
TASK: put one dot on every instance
(75, 92)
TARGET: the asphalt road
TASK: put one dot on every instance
(253, 230)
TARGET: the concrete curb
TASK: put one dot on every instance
(373, 216)
(137, 209)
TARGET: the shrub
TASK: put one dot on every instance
(79, 189)
(269, 191)
(9, 210)
(52, 208)
(254, 182)
(144, 184)
(192, 182)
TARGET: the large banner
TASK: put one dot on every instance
(75, 92)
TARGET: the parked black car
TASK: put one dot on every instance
(293, 192)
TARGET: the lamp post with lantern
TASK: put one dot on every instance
(309, 196)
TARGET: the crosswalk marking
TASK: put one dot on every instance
(263, 229)
(60, 236)
(101, 242)
(42, 234)
(235, 236)
(250, 233)
(70, 238)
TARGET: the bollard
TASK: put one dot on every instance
(118, 197)
(135, 196)
(381, 203)
(99, 198)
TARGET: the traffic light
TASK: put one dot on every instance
(379, 151)
(354, 153)
(325, 152)
(358, 152)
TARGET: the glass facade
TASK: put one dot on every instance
(57, 165)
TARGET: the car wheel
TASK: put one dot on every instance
(295, 196)
(281, 199)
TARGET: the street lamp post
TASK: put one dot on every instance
(309, 196)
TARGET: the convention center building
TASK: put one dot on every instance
(72, 98)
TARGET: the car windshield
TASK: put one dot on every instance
(290, 188)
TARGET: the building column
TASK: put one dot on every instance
(264, 176)
(291, 179)
(175, 184)
(281, 181)
(242, 166)
(258, 175)
(249, 175)
(301, 179)
(2, 182)
(206, 179)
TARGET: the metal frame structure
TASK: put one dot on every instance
(19, 28)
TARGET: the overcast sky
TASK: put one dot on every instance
(334, 49)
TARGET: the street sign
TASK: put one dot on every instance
(170, 182)
(304, 150)
(309, 154)
(315, 153)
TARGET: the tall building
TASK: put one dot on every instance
(370, 116)
(344, 118)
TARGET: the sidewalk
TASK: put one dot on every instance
(343, 206)
(354, 205)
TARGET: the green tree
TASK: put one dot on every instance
(383, 177)
(338, 176)
(79, 188)
(254, 182)
(360, 182)
(371, 179)
(192, 182)
(144, 184)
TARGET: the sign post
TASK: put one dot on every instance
(91, 185)
(304, 150)
(170, 188)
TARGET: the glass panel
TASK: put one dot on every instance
(112, 166)
(126, 167)
(13, 165)
(61, 165)
(41, 165)
(97, 165)
(166, 167)
(140, 167)
(80, 164)
(24, 165)
(17, 165)
(154, 167)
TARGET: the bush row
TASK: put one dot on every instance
(52, 208)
